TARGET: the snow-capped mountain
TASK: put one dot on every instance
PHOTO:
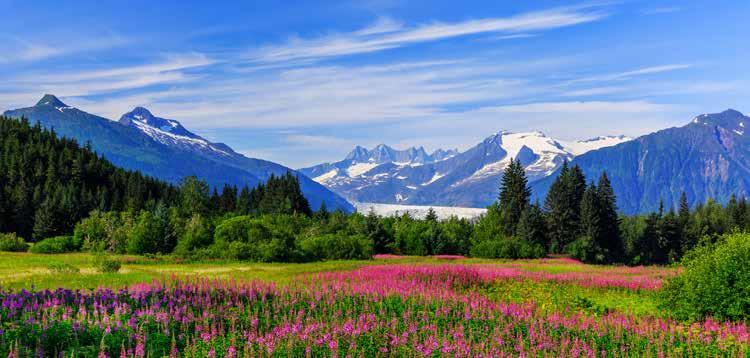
(450, 178)
(170, 132)
(707, 158)
(163, 148)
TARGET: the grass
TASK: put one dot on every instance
(27, 270)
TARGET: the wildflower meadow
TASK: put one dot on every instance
(391, 306)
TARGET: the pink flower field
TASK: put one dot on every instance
(430, 310)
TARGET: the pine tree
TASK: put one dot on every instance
(514, 196)
(670, 234)
(322, 214)
(374, 230)
(45, 221)
(531, 228)
(563, 205)
(610, 238)
(244, 202)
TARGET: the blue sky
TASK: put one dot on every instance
(302, 82)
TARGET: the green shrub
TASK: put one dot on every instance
(63, 268)
(105, 231)
(266, 239)
(336, 247)
(105, 264)
(56, 245)
(715, 282)
(197, 234)
(586, 250)
(12, 243)
(146, 234)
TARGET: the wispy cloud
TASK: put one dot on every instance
(582, 107)
(16, 49)
(98, 81)
(386, 34)
(633, 73)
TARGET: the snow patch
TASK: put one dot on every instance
(327, 176)
(358, 169)
(435, 178)
(443, 212)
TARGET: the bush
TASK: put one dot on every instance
(197, 234)
(266, 239)
(715, 282)
(12, 243)
(56, 245)
(105, 264)
(63, 268)
(336, 247)
(586, 250)
(104, 231)
(146, 234)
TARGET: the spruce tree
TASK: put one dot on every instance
(563, 205)
(514, 196)
(531, 229)
(610, 238)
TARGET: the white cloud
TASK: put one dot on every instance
(15, 49)
(633, 73)
(386, 34)
(99, 81)
(581, 107)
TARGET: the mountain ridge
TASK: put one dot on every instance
(709, 157)
(134, 144)
(451, 178)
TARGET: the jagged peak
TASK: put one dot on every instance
(729, 118)
(50, 100)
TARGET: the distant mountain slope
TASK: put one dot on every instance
(448, 178)
(707, 158)
(163, 148)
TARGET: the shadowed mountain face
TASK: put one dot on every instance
(446, 177)
(707, 158)
(163, 148)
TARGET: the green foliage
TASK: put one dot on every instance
(145, 235)
(531, 228)
(48, 184)
(600, 226)
(197, 234)
(105, 231)
(715, 281)
(264, 239)
(12, 243)
(411, 236)
(456, 236)
(105, 264)
(336, 247)
(57, 245)
(563, 204)
(514, 196)
(490, 241)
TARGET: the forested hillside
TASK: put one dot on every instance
(48, 183)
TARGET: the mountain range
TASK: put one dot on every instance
(707, 158)
(164, 149)
(447, 177)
